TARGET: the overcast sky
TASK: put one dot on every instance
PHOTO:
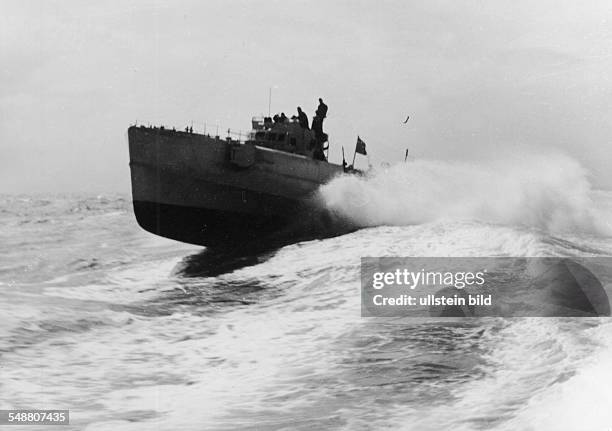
(478, 78)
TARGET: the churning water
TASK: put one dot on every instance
(134, 332)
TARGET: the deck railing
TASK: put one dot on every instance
(233, 134)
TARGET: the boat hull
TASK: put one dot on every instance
(186, 187)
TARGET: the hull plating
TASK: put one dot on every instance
(184, 187)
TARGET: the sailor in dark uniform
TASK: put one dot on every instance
(302, 118)
(321, 114)
(322, 109)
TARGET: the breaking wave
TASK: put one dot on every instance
(552, 193)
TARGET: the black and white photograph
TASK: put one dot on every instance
(305, 215)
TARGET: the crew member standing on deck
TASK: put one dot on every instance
(322, 109)
(302, 118)
(321, 114)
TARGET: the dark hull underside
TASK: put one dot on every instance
(201, 225)
(226, 229)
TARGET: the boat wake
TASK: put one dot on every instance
(90, 302)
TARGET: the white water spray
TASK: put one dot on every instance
(551, 193)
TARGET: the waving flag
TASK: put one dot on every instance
(361, 147)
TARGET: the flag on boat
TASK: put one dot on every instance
(361, 147)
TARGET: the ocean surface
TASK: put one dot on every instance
(135, 332)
